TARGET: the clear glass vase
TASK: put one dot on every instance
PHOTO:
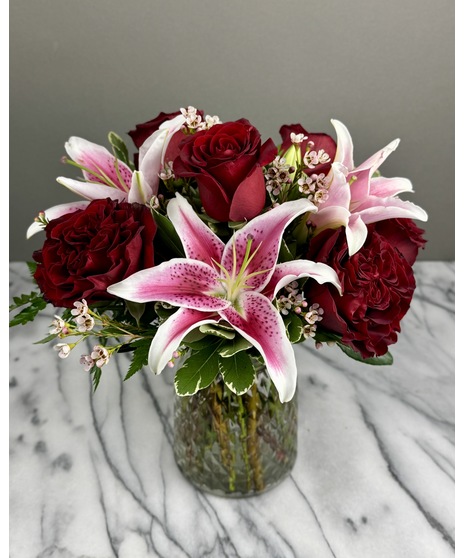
(235, 445)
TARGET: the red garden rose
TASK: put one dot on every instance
(320, 141)
(226, 162)
(378, 283)
(92, 248)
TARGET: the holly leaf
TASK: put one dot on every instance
(238, 372)
(197, 372)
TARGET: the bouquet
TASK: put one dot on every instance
(210, 245)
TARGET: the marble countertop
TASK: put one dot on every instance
(92, 475)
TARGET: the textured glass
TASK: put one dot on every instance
(234, 445)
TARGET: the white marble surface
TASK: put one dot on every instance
(93, 475)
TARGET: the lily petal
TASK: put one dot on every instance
(377, 209)
(140, 191)
(171, 333)
(375, 161)
(53, 213)
(181, 282)
(287, 272)
(92, 190)
(345, 146)
(386, 187)
(356, 234)
(152, 151)
(260, 323)
(104, 166)
(198, 240)
(266, 232)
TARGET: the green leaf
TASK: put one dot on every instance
(197, 372)
(37, 303)
(24, 299)
(285, 254)
(119, 149)
(140, 356)
(383, 360)
(96, 374)
(136, 309)
(237, 345)
(47, 339)
(238, 372)
(32, 267)
(218, 331)
(294, 327)
(167, 235)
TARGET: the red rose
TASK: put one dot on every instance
(226, 162)
(86, 251)
(145, 130)
(320, 141)
(378, 283)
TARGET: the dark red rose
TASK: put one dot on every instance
(145, 130)
(226, 162)
(378, 283)
(86, 251)
(320, 141)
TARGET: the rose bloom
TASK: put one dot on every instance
(226, 161)
(86, 251)
(146, 129)
(320, 142)
(377, 281)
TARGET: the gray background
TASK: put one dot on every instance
(384, 68)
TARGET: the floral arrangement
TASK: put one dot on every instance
(212, 245)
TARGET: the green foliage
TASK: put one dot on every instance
(139, 357)
(96, 374)
(218, 331)
(119, 149)
(136, 309)
(236, 345)
(382, 360)
(47, 339)
(36, 303)
(238, 372)
(294, 327)
(197, 372)
(167, 236)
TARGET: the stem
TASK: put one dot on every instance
(245, 453)
(221, 429)
(253, 438)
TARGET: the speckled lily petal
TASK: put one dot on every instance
(181, 282)
(287, 272)
(198, 240)
(266, 232)
(259, 322)
(171, 333)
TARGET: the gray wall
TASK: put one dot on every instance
(383, 67)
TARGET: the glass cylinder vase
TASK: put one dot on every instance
(235, 445)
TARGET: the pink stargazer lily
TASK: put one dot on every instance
(235, 282)
(357, 198)
(105, 176)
